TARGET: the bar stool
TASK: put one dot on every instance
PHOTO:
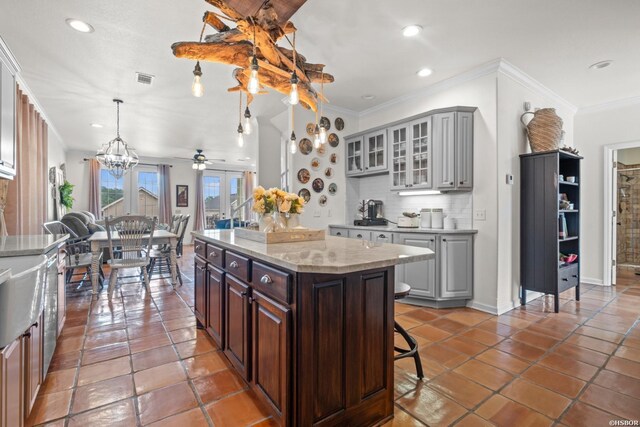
(401, 291)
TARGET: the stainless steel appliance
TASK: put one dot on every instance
(372, 214)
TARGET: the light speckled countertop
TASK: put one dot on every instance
(30, 245)
(335, 255)
(395, 229)
(5, 273)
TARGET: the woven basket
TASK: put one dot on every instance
(544, 130)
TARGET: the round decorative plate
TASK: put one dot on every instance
(333, 188)
(339, 123)
(315, 163)
(311, 127)
(304, 175)
(333, 140)
(305, 146)
(333, 158)
(328, 172)
(325, 123)
(318, 185)
(321, 150)
(322, 200)
(305, 194)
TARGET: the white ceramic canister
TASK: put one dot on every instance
(425, 218)
(437, 218)
(449, 223)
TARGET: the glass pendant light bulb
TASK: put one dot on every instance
(240, 136)
(195, 166)
(254, 84)
(294, 98)
(293, 147)
(246, 125)
(323, 135)
(197, 88)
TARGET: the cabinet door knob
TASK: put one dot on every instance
(444, 240)
(213, 254)
(198, 247)
(564, 279)
(359, 236)
(575, 275)
(381, 236)
(461, 182)
(338, 234)
(233, 264)
(244, 294)
(451, 183)
(266, 279)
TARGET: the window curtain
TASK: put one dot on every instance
(28, 192)
(4, 190)
(249, 183)
(94, 188)
(200, 217)
(164, 212)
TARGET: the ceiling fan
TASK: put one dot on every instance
(200, 161)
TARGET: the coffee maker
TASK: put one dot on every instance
(371, 211)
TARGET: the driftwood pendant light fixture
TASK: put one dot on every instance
(252, 46)
(240, 130)
(246, 126)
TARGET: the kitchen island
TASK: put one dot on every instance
(308, 325)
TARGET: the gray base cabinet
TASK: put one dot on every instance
(446, 281)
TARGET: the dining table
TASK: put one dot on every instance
(99, 240)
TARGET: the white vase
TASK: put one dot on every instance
(279, 222)
(293, 221)
(265, 224)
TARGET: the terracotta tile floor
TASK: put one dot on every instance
(141, 361)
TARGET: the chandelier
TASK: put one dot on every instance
(116, 156)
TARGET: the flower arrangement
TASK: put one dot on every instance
(276, 200)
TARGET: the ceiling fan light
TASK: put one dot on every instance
(411, 30)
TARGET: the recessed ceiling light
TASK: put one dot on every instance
(247, 158)
(424, 72)
(368, 97)
(79, 25)
(600, 65)
(411, 30)
(96, 125)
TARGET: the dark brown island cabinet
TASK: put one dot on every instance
(549, 223)
(316, 347)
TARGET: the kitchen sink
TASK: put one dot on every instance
(21, 295)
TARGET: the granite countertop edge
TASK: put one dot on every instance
(394, 229)
(313, 268)
(34, 249)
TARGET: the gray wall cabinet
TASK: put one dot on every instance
(456, 266)
(421, 276)
(355, 165)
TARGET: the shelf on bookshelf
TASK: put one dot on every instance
(568, 239)
(575, 184)
(568, 211)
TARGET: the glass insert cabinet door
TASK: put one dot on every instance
(376, 151)
(354, 155)
(399, 138)
(421, 153)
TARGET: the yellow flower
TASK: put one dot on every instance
(301, 201)
(258, 193)
(258, 206)
(285, 205)
(291, 196)
(299, 208)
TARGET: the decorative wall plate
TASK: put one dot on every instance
(321, 150)
(333, 140)
(315, 163)
(311, 127)
(304, 175)
(305, 146)
(339, 123)
(328, 172)
(325, 123)
(333, 188)
(333, 158)
(318, 185)
(305, 194)
(322, 200)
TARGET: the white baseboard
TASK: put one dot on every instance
(482, 307)
(592, 281)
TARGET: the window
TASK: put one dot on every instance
(136, 193)
(148, 193)
(111, 194)
(223, 192)
(211, 186)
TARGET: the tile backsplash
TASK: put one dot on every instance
(456, 205)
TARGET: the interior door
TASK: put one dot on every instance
(614, 215)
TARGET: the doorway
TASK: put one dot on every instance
(622, 213)
(223, 192)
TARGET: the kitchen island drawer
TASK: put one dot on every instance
(238, 265)
(215, 255)
(272, 282)
(567, 277)
(200, 248)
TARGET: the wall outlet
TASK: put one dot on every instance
(480, 215)
(329, 213)
(509, 179)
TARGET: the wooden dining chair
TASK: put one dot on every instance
(161, 258)
(130, 239)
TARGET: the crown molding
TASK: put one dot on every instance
(526, 80)
(8, 57)
(610, 105)
(342, 110)
(480, 71)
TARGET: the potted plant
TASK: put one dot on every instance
(65, 194)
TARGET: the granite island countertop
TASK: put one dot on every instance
(396, 229)
(335, 255)
(27, 245)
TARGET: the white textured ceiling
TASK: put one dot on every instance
(75, 76)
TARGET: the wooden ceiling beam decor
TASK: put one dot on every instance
(266, 21)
